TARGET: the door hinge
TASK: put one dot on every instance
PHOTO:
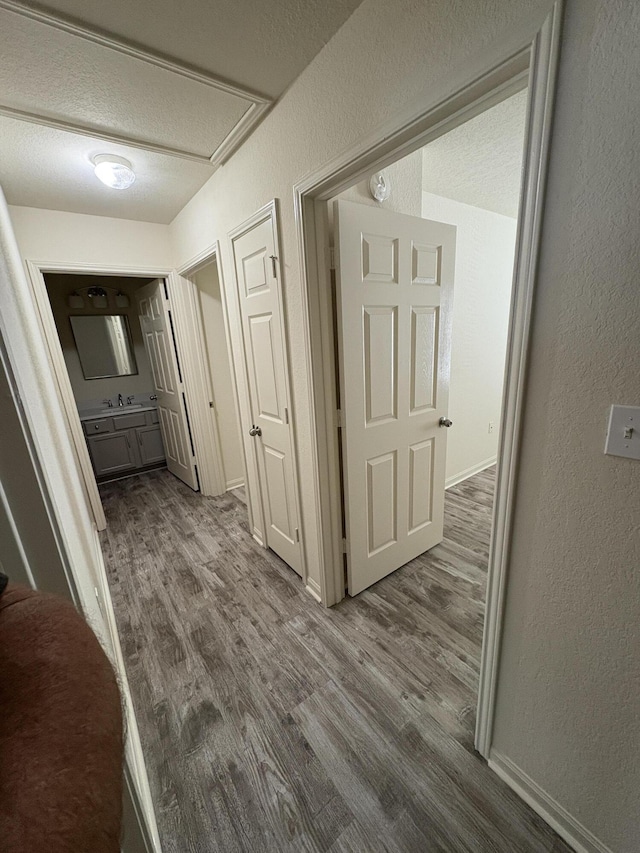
(345, 546)
(339, 418)
(211, 404)
(332, 258)
(286, 415)
(297, 535)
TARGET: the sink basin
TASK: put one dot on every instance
(120, 410)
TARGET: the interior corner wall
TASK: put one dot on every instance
(208, 284)
(55, 236)
(58, 288)
(485, 245)
(569, 680)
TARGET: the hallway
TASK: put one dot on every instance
(271, 724)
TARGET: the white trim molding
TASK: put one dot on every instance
(469, 472)
(235, 484)
(185, 308)
(545, 52)
(534, 64)
(571, 830)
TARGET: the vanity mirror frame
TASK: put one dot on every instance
(83, 352)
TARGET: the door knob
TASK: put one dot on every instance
(255, 430)
(445, 422)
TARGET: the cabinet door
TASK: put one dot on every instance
(112, 453)
(150, 445)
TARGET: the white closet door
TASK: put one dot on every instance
(257, 269)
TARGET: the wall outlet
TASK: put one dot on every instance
(491, 427)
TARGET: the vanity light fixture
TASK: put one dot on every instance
(75, 300)
(113, 171)
(122, 300)
(98, 297)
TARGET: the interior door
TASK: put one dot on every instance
(157, 330)
(394, 292)
(256, 266)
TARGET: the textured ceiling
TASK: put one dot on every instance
(102, 89)
(262, 44)
(44, 167)
(479, 162)
(170, 86)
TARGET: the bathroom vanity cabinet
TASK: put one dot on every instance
(124, 442)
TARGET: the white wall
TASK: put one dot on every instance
(58, 288)
(54, 236)
(485, 246)
(208, 284)
(569, 688)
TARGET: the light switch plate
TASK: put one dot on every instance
(623, 435)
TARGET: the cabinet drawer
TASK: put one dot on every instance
(135, 419)
(98, 426)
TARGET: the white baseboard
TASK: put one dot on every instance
(234, 484)
(469, 472)
(572, 831)
(313, 588)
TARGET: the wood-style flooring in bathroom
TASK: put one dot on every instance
(271, 724)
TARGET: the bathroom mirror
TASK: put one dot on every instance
(104, 345)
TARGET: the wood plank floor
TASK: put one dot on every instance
(271, 724)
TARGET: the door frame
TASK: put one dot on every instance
(188, 272)
(534, 66)
(190, 343)
(36, 271)
(268, 211)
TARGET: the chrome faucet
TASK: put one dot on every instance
(120, 401)
(109, 403)
(130, 399)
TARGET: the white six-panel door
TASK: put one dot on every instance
(394, 293)
(256, 267)
(155, 320)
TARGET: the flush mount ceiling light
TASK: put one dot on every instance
(115, 172)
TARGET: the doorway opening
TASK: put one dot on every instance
(536, 66)
(422, 289)
(123, 360)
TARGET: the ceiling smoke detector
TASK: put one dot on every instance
(114, 172)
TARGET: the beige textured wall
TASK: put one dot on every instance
(208, 284)
(567, 707)
(58, 288)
